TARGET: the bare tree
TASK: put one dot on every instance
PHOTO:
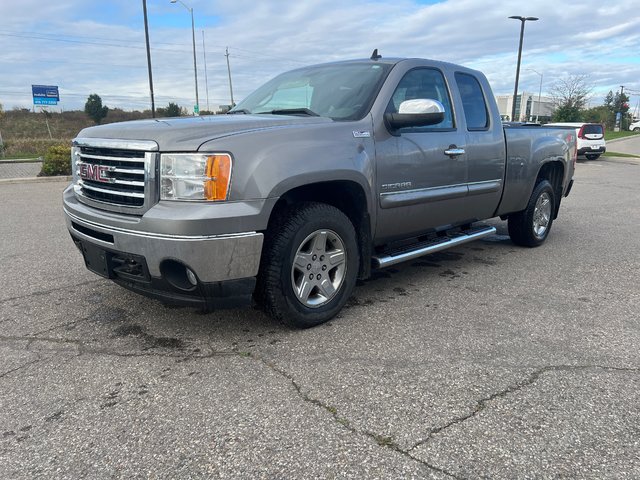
(570, 96)
(572, 91)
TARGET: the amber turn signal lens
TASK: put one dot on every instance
(219, 173)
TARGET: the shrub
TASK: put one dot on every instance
(31, 147)
(57, 161)
(171, 110)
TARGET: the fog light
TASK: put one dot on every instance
(192, 277)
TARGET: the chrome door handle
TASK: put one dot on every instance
(454, 151)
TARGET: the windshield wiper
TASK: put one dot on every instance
(293, 111)
(240, 110)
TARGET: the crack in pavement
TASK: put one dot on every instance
(379, 439)
(530, 380)
(39, 359)
(46, 292)
(388, 442)
(59, 326)
(82, 349)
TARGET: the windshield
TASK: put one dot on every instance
(343, 91)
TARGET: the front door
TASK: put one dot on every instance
(421, 172)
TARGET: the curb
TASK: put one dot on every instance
(627, 160)
(622, 139)
(21, 160)
(59, 178)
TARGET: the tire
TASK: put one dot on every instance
(592, 156)
(637, 129)
(531, 226)
(309, 265)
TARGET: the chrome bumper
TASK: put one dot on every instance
(213, 258)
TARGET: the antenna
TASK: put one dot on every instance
(375, 55)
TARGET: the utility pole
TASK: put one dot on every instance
(206, 79)
(233, 104)
(146, 35)
(618, 123)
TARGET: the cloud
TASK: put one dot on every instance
(85, 47)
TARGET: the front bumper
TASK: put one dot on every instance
(211, 258)
(155, 264)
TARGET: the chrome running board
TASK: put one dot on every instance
(409, 252)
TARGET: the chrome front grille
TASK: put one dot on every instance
(115, 175)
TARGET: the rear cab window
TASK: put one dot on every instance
(473, 102)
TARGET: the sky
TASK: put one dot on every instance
(86, 46)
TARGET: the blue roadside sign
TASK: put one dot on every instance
(45, 94)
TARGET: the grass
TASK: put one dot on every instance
(611, 135)
(25, 133)
(618, 154)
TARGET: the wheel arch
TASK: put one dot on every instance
(348, 196)
(553, 171)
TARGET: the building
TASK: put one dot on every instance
(533, 109)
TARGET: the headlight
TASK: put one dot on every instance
(195, 176)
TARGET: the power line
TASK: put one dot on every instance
(60, 38)
(91, 37)
(101, 44)
(16, 93)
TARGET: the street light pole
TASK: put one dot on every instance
(146, 35)
(515, 90)
(539, 92)
(195, 66)
(206, 78)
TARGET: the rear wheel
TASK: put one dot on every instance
(531, 226)
(309, 265)
(592, 156)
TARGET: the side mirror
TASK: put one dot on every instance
(419, 112)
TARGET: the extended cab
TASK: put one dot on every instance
(316, 178)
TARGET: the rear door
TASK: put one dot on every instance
(485, 147)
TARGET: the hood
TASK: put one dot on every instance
(188, 133)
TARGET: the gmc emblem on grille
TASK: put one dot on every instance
(96, 173)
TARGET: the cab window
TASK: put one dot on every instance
(424, 83)
(473, 103)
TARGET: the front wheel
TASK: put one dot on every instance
(531, 226)
(309, 265)
(592, 156)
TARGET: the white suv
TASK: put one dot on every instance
(591, 142)
(635, 126)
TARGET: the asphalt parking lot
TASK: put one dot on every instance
(485, 361)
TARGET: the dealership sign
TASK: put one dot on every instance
(45, 94)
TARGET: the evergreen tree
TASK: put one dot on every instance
(94, 109)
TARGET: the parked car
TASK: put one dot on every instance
(591, 143)
(317, 178)
(635, 126)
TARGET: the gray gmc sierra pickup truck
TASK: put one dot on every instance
(321, 175)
